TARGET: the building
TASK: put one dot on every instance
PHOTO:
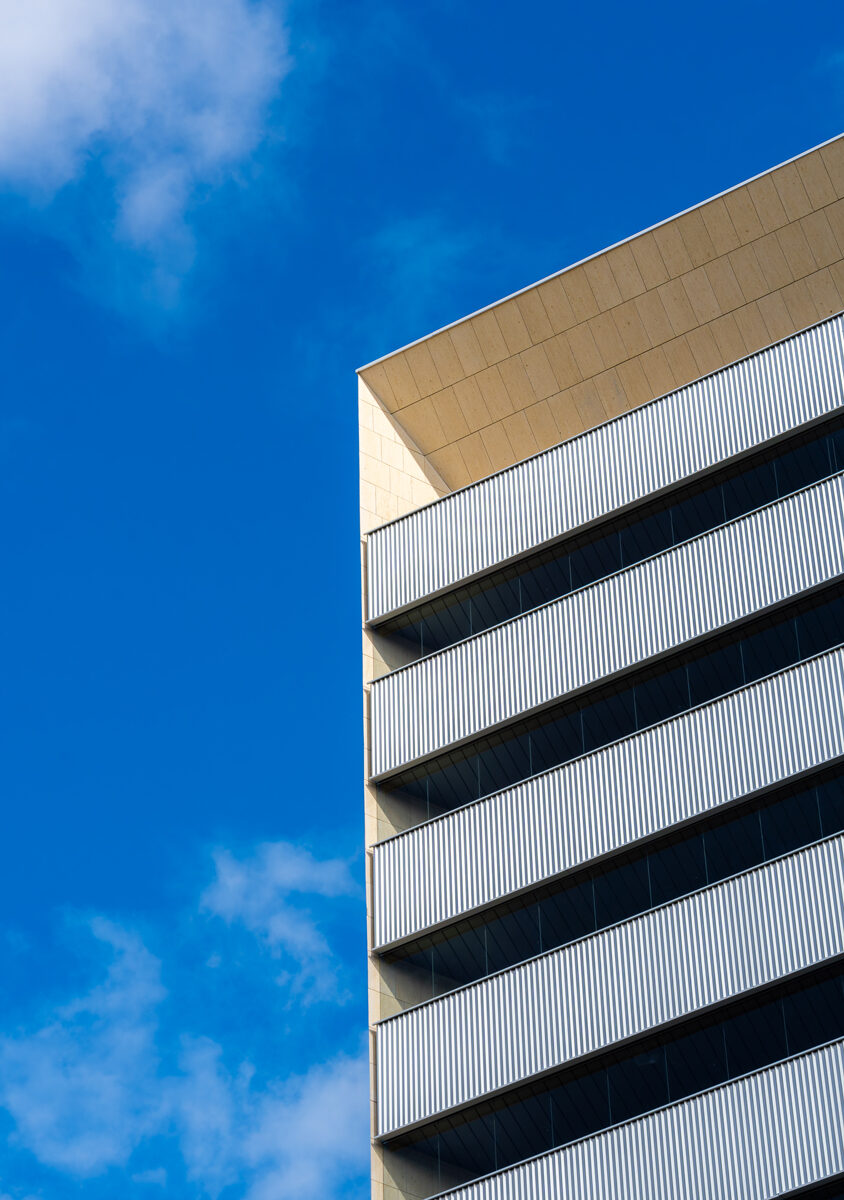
(603, 560)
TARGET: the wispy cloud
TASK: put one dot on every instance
(259, 892)
(160, 99)
(113, 1080)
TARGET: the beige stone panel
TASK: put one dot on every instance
(630, 327)
(752, 327)
(704, 350)
(517, 383)
(681, 361)
(776, 317)
(534, 316)
(421, 422)
(601, 280)
(743, 215)
(654, 318)
(821, 239)
(815, 179)
(512, 326)
(610, 346)
(696, 238)
(471, 402)
(448, 462)
(494, 392)
(586, 400)
(579, 294)
(824, 292)
(497, 445)
(649, 260)
(701, 296)
(586, 353)
(835, 216)
(475, 456)
(556, 302)
(386, 504)
(635, 383)
(423, 370)
(391, 453)
(445, 359)
(450, 415)
(837, 273)
(627, 276)
(611, 395)
(767, 203)
(520, 435)
(719, 226)
(542, 380)
(747, 272)
(675, 301)
(802, 310)
(465, 342)
(376, 378)
(728, 339)
(673, 249)
(724, 284)
(553, 420)
(772, 263)
(796, 250)
(490, 337)
(562, 362)
(791, 192)
(657, 371)
(402, 383)
(833, 160)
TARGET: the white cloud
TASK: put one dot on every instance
(166, 97)
(81, 1088)
(256, 892)
(86, 1091)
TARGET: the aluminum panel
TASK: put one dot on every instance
(607, 468)
(672, 773)
(645, 611)
(768, 1134)
(614, 985)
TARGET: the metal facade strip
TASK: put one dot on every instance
(699, 951)
(767, 1135)
(672, 773)
(607, 468)
(637, 614)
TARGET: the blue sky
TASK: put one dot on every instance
(211, 212)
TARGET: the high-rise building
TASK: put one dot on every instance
(604, 707)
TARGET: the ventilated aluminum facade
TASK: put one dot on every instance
(767, 1135)
(604, 989)
(605, 469)
(637, 614)
(669, 774)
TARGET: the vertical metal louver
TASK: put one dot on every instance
(607, 468)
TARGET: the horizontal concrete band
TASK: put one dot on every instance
(767, 1135)
(656, 968)
(636, 788)
(631, 617)
(608, 468)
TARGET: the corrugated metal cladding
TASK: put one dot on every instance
(766, 1135)
(707, 948)
(658, 605)
(689, 765)
(607, 468)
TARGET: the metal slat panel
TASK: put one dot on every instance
(745, 742)
(653, 969)
(647, 610)
(767, 1135)
(617, 464)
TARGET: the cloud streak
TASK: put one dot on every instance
(160, 100)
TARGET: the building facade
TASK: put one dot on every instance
(603, 593)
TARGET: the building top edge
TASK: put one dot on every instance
(596, 254)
